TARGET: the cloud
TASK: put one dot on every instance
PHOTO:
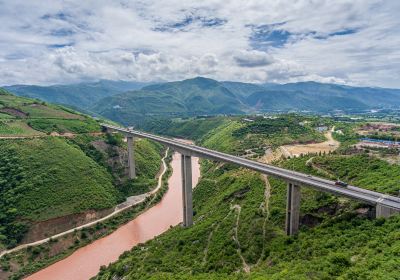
(189, 22)
(351, 41)
(253, 59)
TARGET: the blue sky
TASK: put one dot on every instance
(350, 42)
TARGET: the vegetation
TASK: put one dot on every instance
(32, 259)
(364, 171)
(239, 215)
(346, 134)
(239, 221)
(64, 125)
(281, 130)
(194, 128)
(47, 178)
(202, 96)
(81, 95)
(21, 116)
(50, 177)
(235, 135)
(16, 128)
(110, 150)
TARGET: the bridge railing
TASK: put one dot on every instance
(386, 205)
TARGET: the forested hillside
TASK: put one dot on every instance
(239, 216)
(57, 163)
(202, 96)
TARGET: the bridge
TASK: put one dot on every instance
(385, 205)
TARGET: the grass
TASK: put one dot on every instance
(193, 128)
(64, 125)
(5, 116)
(285, 129)
(222, 138)
(147, 159)
(232, 225)
(36, 109)
(34, 117)
(48, 111)
(47, 178)
(16, 128)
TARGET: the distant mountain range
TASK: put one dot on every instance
(132, 103)
(81, 95)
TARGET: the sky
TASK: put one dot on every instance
(354, 42)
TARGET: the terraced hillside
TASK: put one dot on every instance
(238, 230)
(29, 117)
(58, 170)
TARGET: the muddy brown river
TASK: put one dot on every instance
(86, 261)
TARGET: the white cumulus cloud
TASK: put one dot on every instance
(350, 41)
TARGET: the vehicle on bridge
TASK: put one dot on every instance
(341, 183)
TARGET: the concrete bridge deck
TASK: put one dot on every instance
(385, 204)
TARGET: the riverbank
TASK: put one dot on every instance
(86, 261)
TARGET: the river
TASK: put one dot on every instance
(86, 261)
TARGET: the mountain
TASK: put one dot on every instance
(192, 97)
(243, 89)
(133, 103)
(202, 96)
(57, 167)
(80, 95)
(366, 96)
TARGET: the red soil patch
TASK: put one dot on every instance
(14, 112)
(44, 229)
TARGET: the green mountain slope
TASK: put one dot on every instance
(131, 103)
(138, 106)
(43, 177)
(201, 96)
(189, 128)
(186, 98)
(80, 95)
(239, 221)
(20, 116)
(47, 178)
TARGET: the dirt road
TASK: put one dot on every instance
(327, 146)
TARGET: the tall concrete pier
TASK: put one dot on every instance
(131, 158)
(187, 190)
(292, 209)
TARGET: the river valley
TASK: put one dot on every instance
(86, 261)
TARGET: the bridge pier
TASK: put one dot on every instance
(186, 163)
(382, 211)
(131, 158)
(292, 209)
